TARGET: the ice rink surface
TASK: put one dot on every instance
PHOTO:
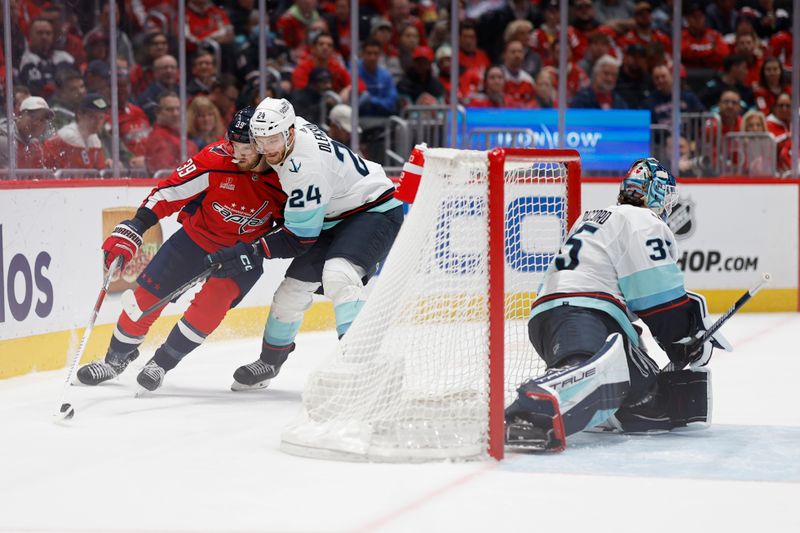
(196, 457)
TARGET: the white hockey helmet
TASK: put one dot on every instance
(272, 116)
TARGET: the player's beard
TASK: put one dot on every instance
(247, 166)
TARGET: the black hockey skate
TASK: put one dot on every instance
(152, 376)
(255, 375)
(97, 372)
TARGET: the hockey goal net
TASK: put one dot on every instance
(441, 345)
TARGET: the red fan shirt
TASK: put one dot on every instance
(220, 205)
(705, 51)
(68, 149)
(134, 128)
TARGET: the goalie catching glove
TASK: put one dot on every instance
(234, 260)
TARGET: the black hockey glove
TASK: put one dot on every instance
(234, 260)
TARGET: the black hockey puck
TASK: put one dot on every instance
(67, 411)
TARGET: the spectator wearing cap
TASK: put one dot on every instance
(165, 79)
(64, 40)
(659, 102)
(31, 123)
(77, 145)
(163, 149)
(519, 84)
(701, 47)
(97, 47)
(733, 78)
(70, 91)
(601, 94)
(37, 67)
(322, 55)
(308, 100)
(469, 80)
(124, 46)
(469, 54)
(633, 82)
(722, 16)
(419, 86)
(293, 25)
(340, 123)
(380, 29)
(97, 77)
(380, 97)
(643, 32)
(204, 72)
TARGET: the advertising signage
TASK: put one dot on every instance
(608, 141)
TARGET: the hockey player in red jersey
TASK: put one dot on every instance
(225, 194)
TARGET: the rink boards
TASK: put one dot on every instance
(728, 232)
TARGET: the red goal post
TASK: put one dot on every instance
(429, 364)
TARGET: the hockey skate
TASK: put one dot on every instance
(99, 371)
(255, 375)
(151, 376)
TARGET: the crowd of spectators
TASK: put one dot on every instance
(735, 56)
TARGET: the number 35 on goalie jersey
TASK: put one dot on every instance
(622, 251)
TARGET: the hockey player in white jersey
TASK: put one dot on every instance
(617, 265)
(341, 219)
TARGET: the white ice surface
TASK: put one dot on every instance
(196, 457)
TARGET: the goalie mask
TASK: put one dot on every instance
(648, 184)
(271, 126)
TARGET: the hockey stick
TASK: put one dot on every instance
(65, 410)
(763, 281)
(135, 313)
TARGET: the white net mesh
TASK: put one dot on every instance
(410, 379)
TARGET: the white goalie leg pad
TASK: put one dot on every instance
(341, 280)
(592, 391)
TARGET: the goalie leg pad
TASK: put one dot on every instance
(583, 395)
(681, 400)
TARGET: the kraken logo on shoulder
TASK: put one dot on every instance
(681, 219)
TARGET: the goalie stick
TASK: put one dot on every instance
(763, 281)
(135, 313)
(65, 410)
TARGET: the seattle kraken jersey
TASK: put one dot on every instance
(326, 181)
(620, 260)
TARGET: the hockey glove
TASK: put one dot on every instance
(690, 350)
(124, 241)
(234, 260)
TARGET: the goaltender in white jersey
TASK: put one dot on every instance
(340, 221)
(616, 266)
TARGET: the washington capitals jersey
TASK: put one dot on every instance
(221, 204)
(325, 182)
(620, 260)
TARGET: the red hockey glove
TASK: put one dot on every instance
(124, 241)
